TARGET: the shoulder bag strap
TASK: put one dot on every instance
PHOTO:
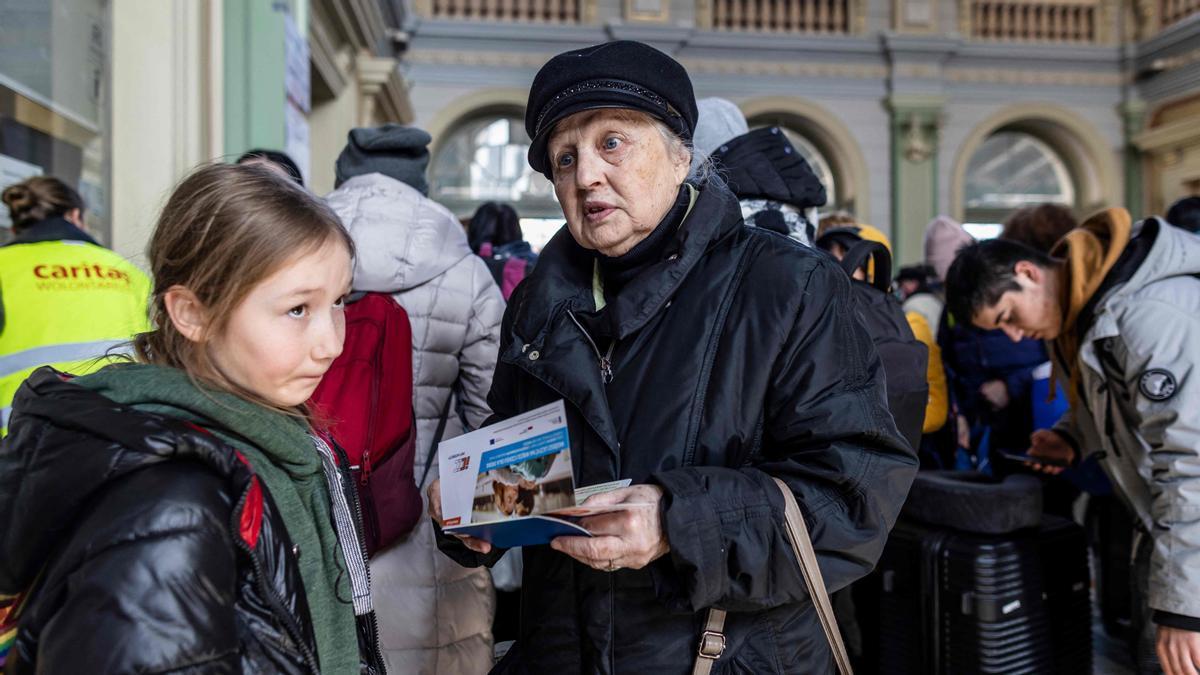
(712, 641)
(437, 437)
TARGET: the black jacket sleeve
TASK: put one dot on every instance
(150, 581)
(828, 434)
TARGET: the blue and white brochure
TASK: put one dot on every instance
(512, 484)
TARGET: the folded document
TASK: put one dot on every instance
(512, 484)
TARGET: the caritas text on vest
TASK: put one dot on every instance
(93, 271)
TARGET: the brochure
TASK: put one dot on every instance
(512, 484)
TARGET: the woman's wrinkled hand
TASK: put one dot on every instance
(631, 538)
(435, 511)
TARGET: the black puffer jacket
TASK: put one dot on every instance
(739, 356)
(142, 544)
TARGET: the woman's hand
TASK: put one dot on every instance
(1178, 650)
(630, 538)
(435, 512)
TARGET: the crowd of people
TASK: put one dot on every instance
(175, 501)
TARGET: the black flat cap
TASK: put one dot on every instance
(621, 74)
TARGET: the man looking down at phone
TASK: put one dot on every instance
(1119, 306)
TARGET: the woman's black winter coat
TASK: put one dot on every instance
(739, 357)
(143, 544)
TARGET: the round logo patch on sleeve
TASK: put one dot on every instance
(1157, 384)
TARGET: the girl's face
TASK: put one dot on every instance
(285, 334)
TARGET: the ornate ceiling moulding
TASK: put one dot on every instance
(1056, 78)
(785, 68)
(447, 57)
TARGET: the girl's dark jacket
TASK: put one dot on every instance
(739, 357)
(143, 543)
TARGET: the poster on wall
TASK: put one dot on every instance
(54, 52)
(295, 139)
(298, 99)
(13, 170)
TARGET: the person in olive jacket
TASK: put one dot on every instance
(700, 359)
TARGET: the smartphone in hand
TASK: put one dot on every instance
(1022, 458)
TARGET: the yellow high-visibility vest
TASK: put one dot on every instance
(66, 304)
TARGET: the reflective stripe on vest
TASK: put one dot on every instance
(74, 351)
(66, 303)
(4, 413)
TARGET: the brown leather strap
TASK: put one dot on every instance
(712, 640)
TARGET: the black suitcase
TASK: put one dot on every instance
(948, 603)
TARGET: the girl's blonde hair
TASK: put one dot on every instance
(225, 229)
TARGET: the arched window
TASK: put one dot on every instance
(483, 160)
(818, 163)
(1012, 169)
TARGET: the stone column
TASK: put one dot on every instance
(915, 123)
(1133, 114)
(167, 100)
(915, 103)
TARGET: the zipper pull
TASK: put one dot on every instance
(606, 373)
(606, 370)
(366, 467)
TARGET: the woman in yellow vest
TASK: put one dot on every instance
(65, 300)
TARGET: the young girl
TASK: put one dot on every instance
(179, 513)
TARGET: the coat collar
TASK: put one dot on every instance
(51, 229)
(548, 344)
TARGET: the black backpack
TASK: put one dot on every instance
(905, 359)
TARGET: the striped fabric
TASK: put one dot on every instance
(347, 531)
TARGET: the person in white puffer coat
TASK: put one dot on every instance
(434, 616)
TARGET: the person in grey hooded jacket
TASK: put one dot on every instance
(1119, 303)
(434, 616)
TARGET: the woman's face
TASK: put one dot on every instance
(615, 177)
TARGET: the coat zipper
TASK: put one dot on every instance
(352, 492)
(558, 391)
(276, 603)
(605, 360)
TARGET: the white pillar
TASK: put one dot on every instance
(166, 107)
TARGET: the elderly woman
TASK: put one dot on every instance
(699, 359)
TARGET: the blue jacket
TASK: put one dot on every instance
(973, 356)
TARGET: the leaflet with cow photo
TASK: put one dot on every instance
(512, 483)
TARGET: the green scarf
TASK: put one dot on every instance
(286, 461)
